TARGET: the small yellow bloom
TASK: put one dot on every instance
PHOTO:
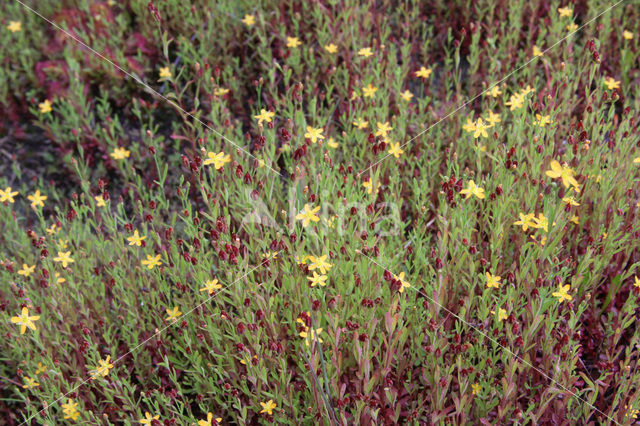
(120, 153)
(173, 314)
(493, 281)
(41, 368)
(220, 91)
(563, 293)
(611, 83)
(148, 419)
(314, 134)
(152, 261)
(24, 320)
(369, 91)
(541, 222)
(70, 410)
(635, 161)
(368, 185)
(210, 420)
(14, 26)
(542, 120)
(249, 20)
(476, 388)
(7, 196)
(311, 336)
(308, 215)
(331, 48)
(319, 263)
(636, 281)
(165, 73)
(516, 101)
(627, 35)
(211, 286)
(394, 149)
(26, 270)
(423, 72)
(570, 200)
(572, 27)
(563, 172)
(406, 95)
(403, 283)
(318, 279)
(360, 123)
(383, 129)
(264, 116)
(64, 258)
(99, 201)
(37, 199)
(537, 52)
(565, 12)
(268, 407)
(293, 42)
(332, 143)
(365, 51)
(481, 129)
(493, 119)
(473, 189)
(103, 368)
(494, 92)
(136, 239)
(218, 160)
(30, 383)
(45, 107)
(526, 221)
(469, 126)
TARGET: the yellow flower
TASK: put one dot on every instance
(319, 263)
(502, 315)
(311, 336)
(404, 284)
(308, 215)
(636, 281)
(267, 407)
(494, 92)
(136, 239)
(26, 270)
(406, 95)
(515, 102)
(383, 129)
(394, 149)
(473, 189)
(369, 186)
(209, 421)
(627, 35)
(24, 320)
(563, 293)
(30, 383)
(611, 83)
(220, 91)
(41, 368)
(64, 257)
(165, 72)
(331, 48)
(369, 91)
(318, 279)
(7, 195)
(103, 368)
(59, 279)
(218, 160)
(493, 281)
(635, 161)
(332, 143)
(541, 222)
(70, 410)
(476, 388)
(570, 200)
(365, 51)
(423, 72)
(152, 261)
(211, 286)
(542, 120)
(565, 12)
(45, 107)
(537, 52)
(469, 126)
(99, 201)
(120, 153)
(173, 314)
(264, 116)
(314, 134)
(293, 42)
(575, 219)
(563, 172)
(37, 199)
(481, 129)
(14, 26)
(360, 123)
(148, 419)
(526, 221)
(527, 90)
(572, 27)
(493, 119)
(249, 20)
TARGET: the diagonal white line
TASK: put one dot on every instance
(145, 341)
(496, 342)
(145, 85)
(491, 87)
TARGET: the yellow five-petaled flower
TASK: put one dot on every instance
(423, 72)
(120, 153)
(320, 263)
(148, 419)
(103, 368)
(14, 26)
(249, 20)
(152, 261)
(563, 172)
(218, 160)
(264, 116)
(268, 407)
(24, 320)
(210, 420)
(563, 293)
(473, 189)
(211, 286)
(7, 196)
(493, 281)
(37, 199)
(64, 257)
(173, 314)
(317, 279)
(308, 215)
(136, 239)
(314, 134)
